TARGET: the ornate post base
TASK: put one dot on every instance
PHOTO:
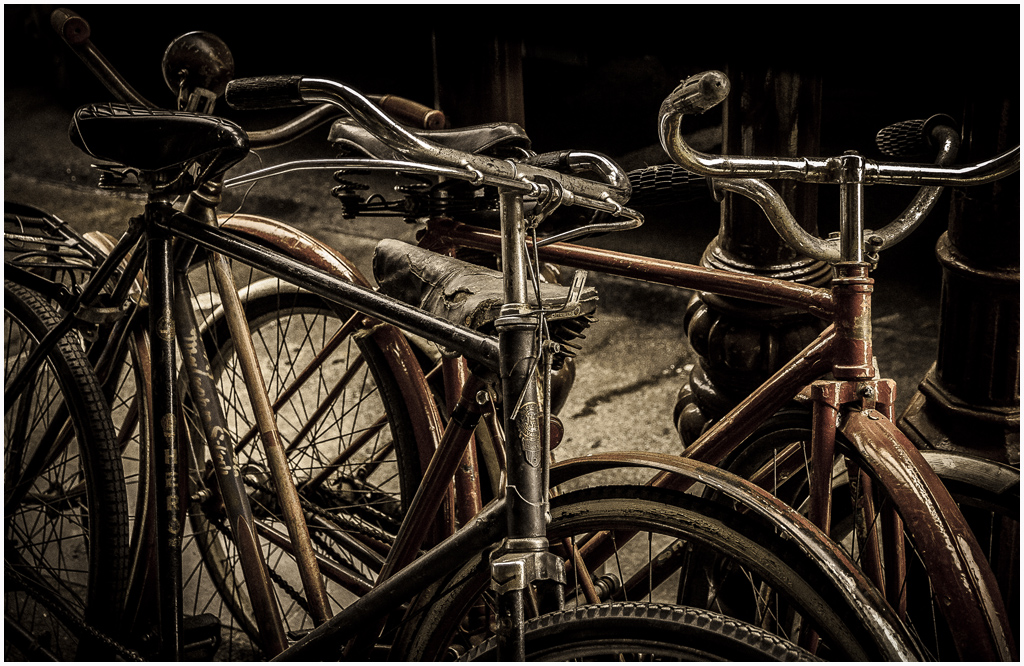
(740, 343)
(970, 399)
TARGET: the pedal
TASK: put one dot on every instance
(200, 637)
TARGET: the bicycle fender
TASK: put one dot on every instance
(892, 638)
(294, 243)
(966, 586)
(423, 412)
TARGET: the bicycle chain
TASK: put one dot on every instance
(348, 522)
(275, 577)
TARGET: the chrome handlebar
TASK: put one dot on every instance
(552, 188)
(744, 175)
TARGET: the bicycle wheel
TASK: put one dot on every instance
(987, 493)
(66, 529)
(784, 590)
(646, 632)
(348, 441)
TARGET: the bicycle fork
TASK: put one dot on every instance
(859, 406)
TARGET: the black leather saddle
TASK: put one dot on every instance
(470, 295)
(499, 139)
(163, 144)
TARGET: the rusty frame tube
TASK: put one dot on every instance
(436, 480)
(169, 532)
(816, 301)
(852, 290)
(892, 525)
(277, 462)
(824, 417)
(970, 597)
(467, 480)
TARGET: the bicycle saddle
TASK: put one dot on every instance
(345, 134)
(163, 144)
(467, 294)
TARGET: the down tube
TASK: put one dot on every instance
(960, 573)
(729, 432)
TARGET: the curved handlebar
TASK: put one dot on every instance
(75, 32)
(703, 91)
(743, 175)
(568, 189)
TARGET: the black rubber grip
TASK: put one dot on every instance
(556, 161)
(910, 138)
(697, 94)
(665, 184)
(264, 92)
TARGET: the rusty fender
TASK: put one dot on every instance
(961, 576)
(863, 597)
(423, 413)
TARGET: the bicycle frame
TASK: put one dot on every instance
(844, 349)
(847, 306)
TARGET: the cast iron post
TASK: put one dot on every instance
(769, 112)
(970, 398)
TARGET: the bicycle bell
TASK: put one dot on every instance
(197, 67)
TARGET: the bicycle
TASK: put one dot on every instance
(160, 217)
(378, 165)
(447, 236)
(50, 258)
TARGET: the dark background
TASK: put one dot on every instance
(593, 76)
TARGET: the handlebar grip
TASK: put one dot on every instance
(697, 94)
(263, 92)
(72, 28)
(412, 113)
(556, 160)
(665, 184)
(910, 137)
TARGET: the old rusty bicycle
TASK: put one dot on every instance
(385, 166)
(193, 166)
(721, 444)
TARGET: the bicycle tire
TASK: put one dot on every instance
(987, 492)
(439, 624)
(274, 314)
(66, 526)
(649, 632)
